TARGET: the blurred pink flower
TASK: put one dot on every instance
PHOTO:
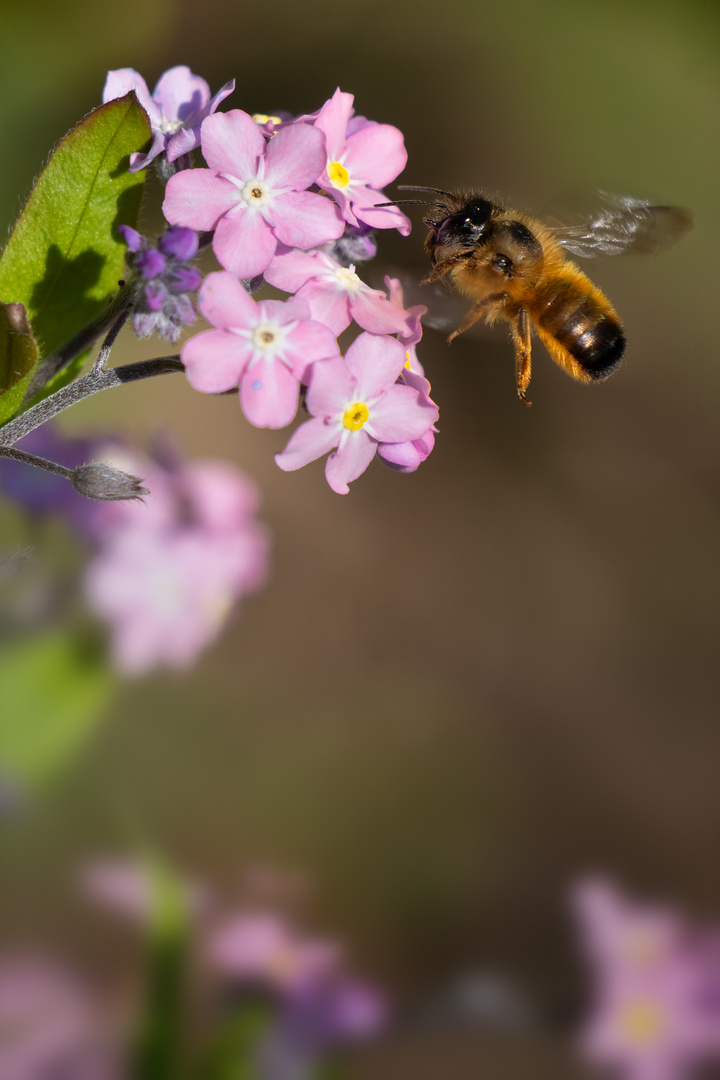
(176, 109)
(49, 1025)
(266, 347)
(263, 949)
(169, 573)
(356, 404)
(254, 193)
(362, 157)
(650, 1017)
(126, 888)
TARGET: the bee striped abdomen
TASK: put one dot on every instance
(580, 329)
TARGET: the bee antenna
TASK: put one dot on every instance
(433, 190)
(411, 202)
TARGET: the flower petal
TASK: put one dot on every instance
(333, 120)
(290, 269)
(179, 93)
(376, 361)
(387, 217)
(224, 302)
(308, 343)
(328, 304)
(232, 143)
(244, 243)
(311, 440)
(198, 199)
(346, 464)
(215, 360)
(122, 81)
(374, 312)
(376, 154)
(305, 220)
(269, 394)
(330, 388)
(402, 415)
(295, 157)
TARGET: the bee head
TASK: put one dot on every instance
(460, 228)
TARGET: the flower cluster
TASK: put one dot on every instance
(655, 1008)
(290, 202)
(166, 279)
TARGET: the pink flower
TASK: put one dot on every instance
(254, 193)
(266, 347)
(335, 293)
(178, 105)
(169, 573)
(357, 404)
(362, 157)
(649, 1017)
(261, 948)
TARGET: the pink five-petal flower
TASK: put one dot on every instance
(254, 193)
(356, 404)
(265, 347)
(176, 109)
(362, 157)
(648, 1017)
(335, 293)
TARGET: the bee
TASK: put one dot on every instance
(515, 268)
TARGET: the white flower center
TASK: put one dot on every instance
(256, 193)
(170, 127)
(267, 338)
(347, 278)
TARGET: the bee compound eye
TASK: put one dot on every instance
(502, 264)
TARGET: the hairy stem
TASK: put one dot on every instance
(89, 384)
(38, 462)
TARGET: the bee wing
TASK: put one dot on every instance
(625, 225)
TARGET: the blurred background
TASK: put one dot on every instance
(467, 688)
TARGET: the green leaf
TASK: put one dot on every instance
(18, 349)
(54, 691)
(64, 256)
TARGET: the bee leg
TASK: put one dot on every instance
(441, 268)
(523, 366)
(476, 312)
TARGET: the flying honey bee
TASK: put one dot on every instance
(515, 268)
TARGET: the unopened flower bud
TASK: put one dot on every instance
(99, 480)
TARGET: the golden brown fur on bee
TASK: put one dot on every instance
(514, 269)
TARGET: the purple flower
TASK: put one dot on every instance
(169, 573)
(254, 193)
(362, 157)
(265, 347)
(178, 105)
(335, 293)
(164, 305)
(649, 1014)
(357, 404)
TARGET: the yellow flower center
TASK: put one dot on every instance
(263, 118)
(407, 360)
(641, 1021)
(356, 415)
(338, 174)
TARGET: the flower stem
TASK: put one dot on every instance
(89, 384)
(38, 462)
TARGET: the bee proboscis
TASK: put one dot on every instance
(515, 268)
